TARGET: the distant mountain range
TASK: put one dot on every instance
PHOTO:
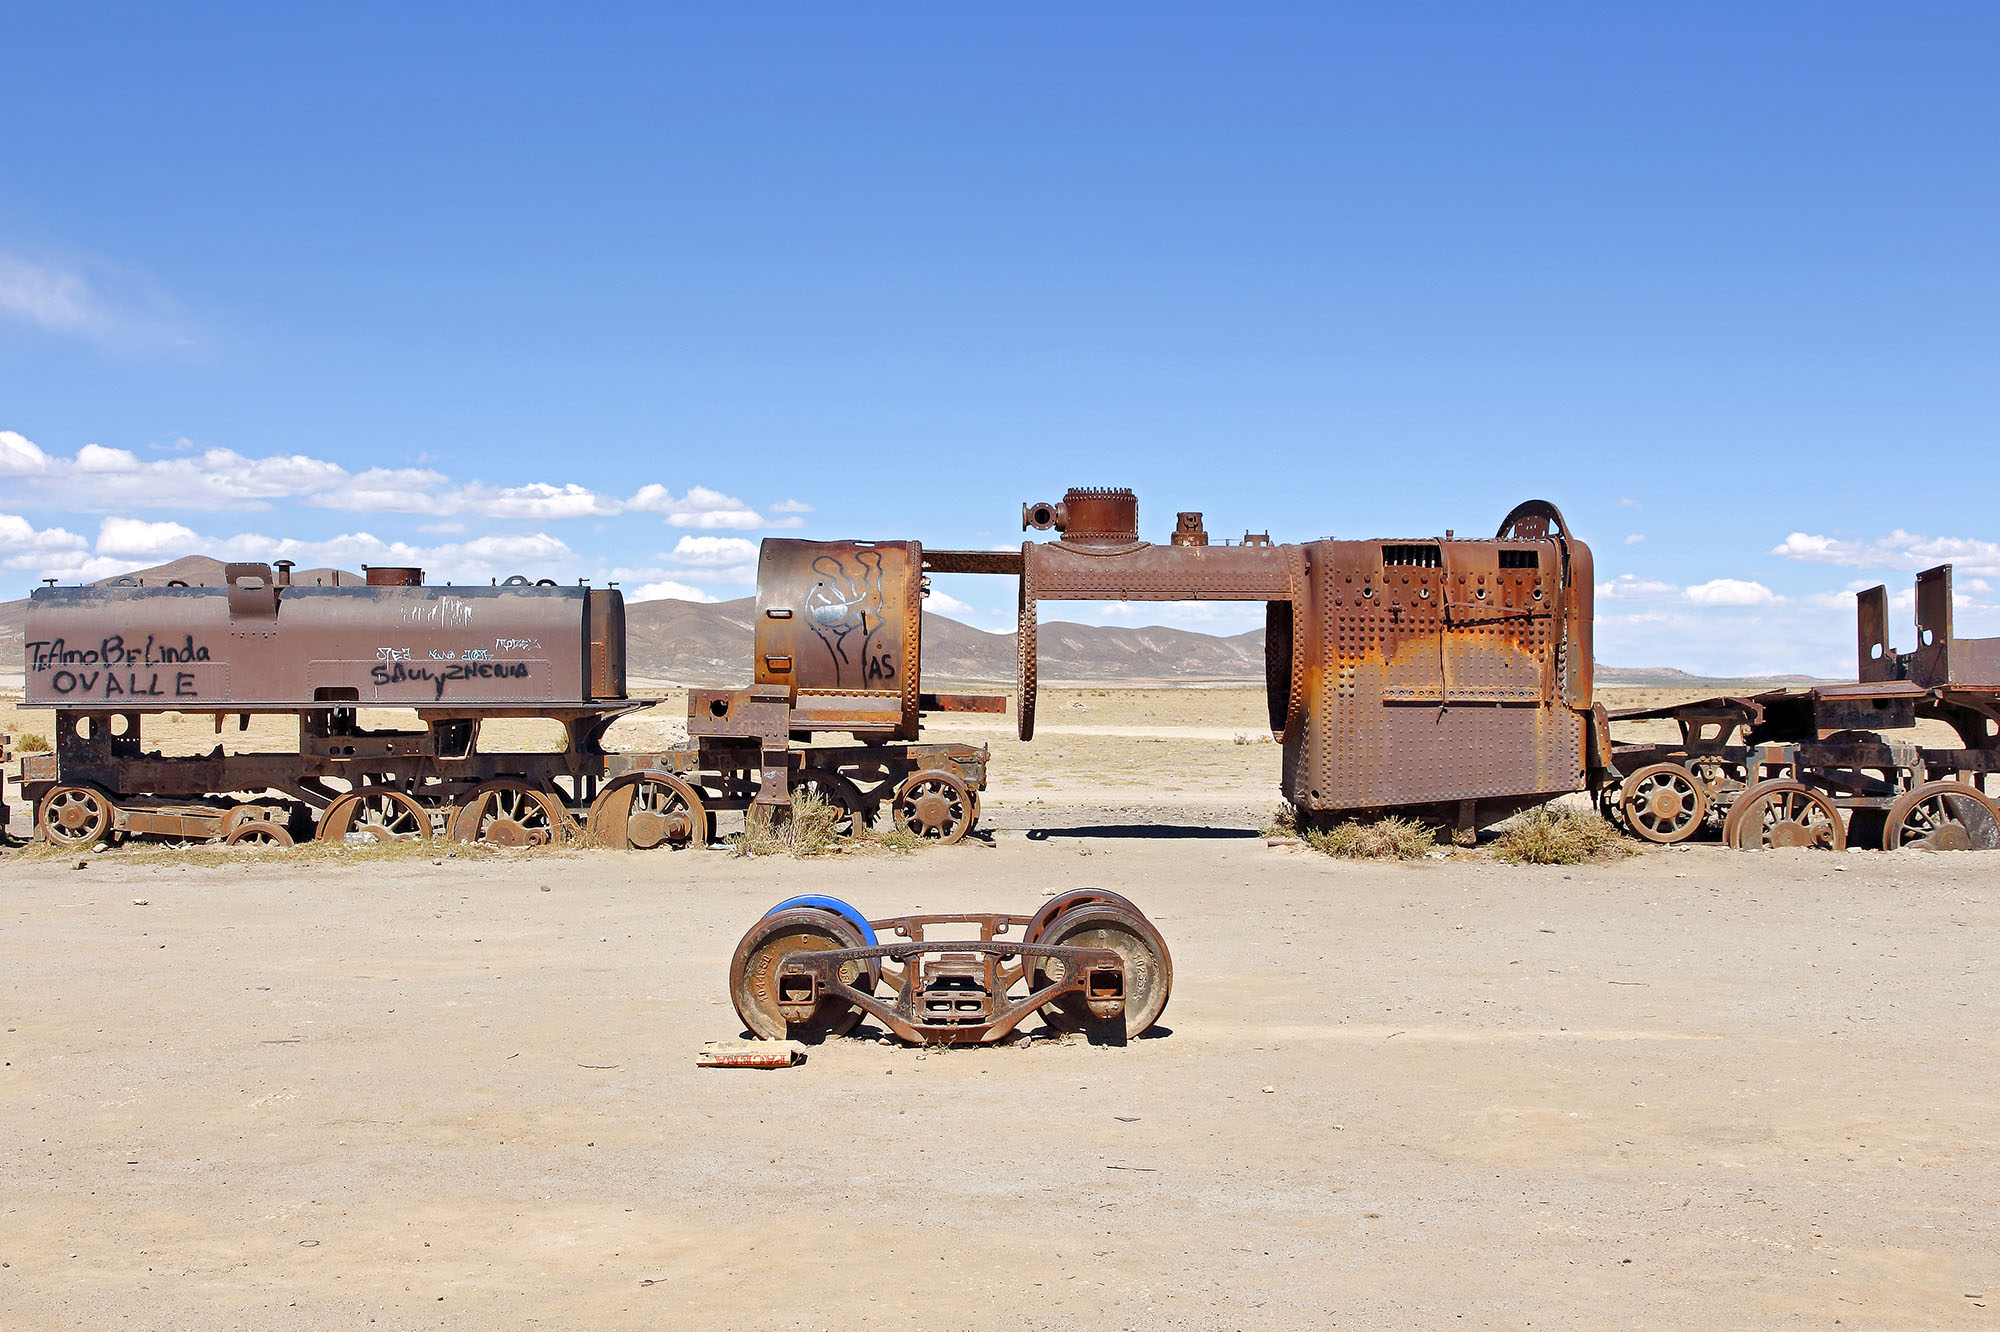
(708, 643)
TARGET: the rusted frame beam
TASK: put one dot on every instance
(823, 972)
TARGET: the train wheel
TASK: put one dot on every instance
(1663, 803)
(644, 810)
(1149, 968)
(835, 790)
(1942, 816)
(754, 973)
(258, 835)
(75, 815)
(1061, 902)
(508, 813)
(379, 814)
(1783, 813)
(934, 803)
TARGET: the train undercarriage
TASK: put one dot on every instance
(350, 783)
(1825, 766)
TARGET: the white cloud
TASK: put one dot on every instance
(537, 554)
(714, 552)
(99, 478)
(1625, 503)
(97, 458)
(539, 500)
(1629, 587)
(135, 538)
(1899, 550)
(944, 603)
(1635, 538)
(390, 490)
(1209, 617)
(118, 311)
(1715, 592)
(55, 299)
(705, 509)
(177, 482)
(123, 543)
(666, 590)
(1731, 592)
(24, 546)
(19, 456)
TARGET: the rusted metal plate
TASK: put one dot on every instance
(1007, 562)
(1066, 571)
(963, 702)
(839, 624)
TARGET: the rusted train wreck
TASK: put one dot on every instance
(836, 651)
(1448, 677)
(1836, 765)
(1443, 676)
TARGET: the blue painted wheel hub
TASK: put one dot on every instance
(837, 907)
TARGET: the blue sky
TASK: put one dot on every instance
(610, 292)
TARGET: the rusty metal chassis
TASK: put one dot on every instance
(1095, 975)
(1734, 743)
(739, 775)
(749, 764)
(744, 747)
(184, 795)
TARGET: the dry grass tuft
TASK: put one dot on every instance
(814, 826)
(812, 829)
(1391, 837)
(31, 742)
(892, 838)
(1284, 822)
(1552, 836)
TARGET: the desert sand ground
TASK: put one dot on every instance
(1693, 1088)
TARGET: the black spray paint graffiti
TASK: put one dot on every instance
(845, 610)
(91, 684)
(46, 654)
(400, 672)
(94, 672)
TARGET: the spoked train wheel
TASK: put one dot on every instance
(756, 972)
(645, 810)
(509, 813)
(258, 835)
(1663, 803)
(1783, 813)
(1942, 816)
(381, 815)
(935, 804)
(75, 815)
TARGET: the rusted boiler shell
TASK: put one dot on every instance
(839, 626)
(1432, 672)
(256, 645)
